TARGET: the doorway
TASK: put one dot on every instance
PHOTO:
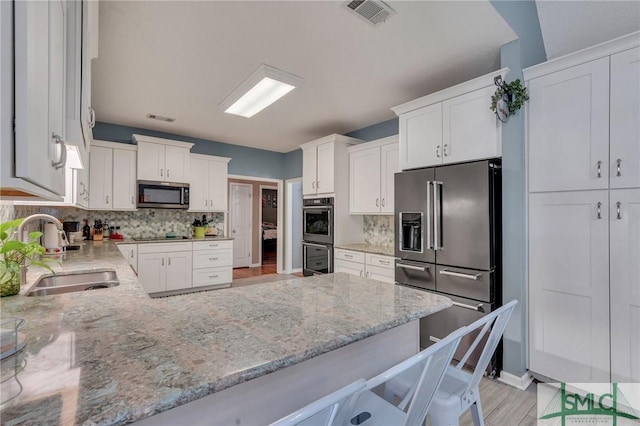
(269, 225)
(240, 195)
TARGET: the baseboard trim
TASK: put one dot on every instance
(253, 265)
(521, 382)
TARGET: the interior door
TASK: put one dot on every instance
(241, 217)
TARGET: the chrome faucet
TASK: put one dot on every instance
(61, 233)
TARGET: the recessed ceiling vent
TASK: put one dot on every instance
(161, 118)
(373, 11)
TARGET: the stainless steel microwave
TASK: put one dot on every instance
(163, 195)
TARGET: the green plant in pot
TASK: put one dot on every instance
(16, 254)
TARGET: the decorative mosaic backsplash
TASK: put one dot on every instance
(378, 230)
(133, 224)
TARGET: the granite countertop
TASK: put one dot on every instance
(171, 240)
(114, 356)
(368, 248)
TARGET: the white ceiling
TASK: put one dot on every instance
(568, 26)
(181, 59)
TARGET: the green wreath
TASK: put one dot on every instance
(514, 93)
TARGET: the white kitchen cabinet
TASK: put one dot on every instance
(39, 31)
(624, 164)
(130, 252)
(101, 178)
(367, 265)
(322, 164)
(164, 267)
(450, 126)
(162, 160)
(90, 30)
(212, 263)
(569, 132)
(371, 176)
(569, 285)
(624, 252)
(112, 176)
(208, 183)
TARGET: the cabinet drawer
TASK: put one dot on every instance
(349, 256)
(352, 268)
(163, 247)
(212, 276)
(212, 258)
(209, 245)
(380, 261)
(380, 274)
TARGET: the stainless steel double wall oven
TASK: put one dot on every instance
(448, 241)
(317, 236)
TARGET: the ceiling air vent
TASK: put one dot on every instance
(373, 11)
(161, 118)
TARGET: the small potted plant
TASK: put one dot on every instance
(16, 255)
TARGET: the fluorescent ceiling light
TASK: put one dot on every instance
(73, 158)
(262, 88)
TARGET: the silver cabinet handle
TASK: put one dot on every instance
(213, 245)
(360, 273)
(618, 213)
(213, 276)
(213, 258)
(132, 201)
(167, 172)
(438, 151)
(429, 213)
(313, 184)
(619, 172)
(106, 199)
(599, 169)
(92, 118)
(434, 339)
(377, 202)
(368, 274)
(599, 209)
(348, 256)
(474, 277)
(205, 202)
(444, 150)
(383, 202)
(317, 184)
(479, 307)
(161, 172)
(415, 268)
(169, 259)
(63, 152)
(132, 253)
(384, 262)
(211, 203)
(162, 261)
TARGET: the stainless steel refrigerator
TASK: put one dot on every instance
(448, 241)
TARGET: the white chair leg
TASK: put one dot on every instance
(476, 413)
(444, 418)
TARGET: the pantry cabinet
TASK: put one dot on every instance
(584, 214)
(367, 265)
(451, 126)
(165, 266)
(372, 167)
(208, 183)
(112, 171)
(163, 160)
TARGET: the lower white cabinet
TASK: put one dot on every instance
(130, 252)
(212, 263)
(368, 265)
(165, 266)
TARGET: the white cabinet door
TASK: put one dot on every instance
(364, 181)
(218, 192)
(152, 272)
(101, 178)
(309, 170)
(569, 129)
(199, 185)
(179, 270)
(150, 161)
(130, 252)
(569, 285)
(625, 285)
(39, 93)
(421, 137)
(625, 125)
(90, 12)
(380, 274)
(176, 164)
(470, 129)
(326, 167)
(389, 166)
(124, 179)
(351, 268)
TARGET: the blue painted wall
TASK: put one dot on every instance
(528, 50)
(376, 131)
(245, 161)
(293, 164)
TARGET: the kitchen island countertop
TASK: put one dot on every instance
(368, 248)
(114, 356)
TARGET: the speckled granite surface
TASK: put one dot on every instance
(369, 248)
(170, 240)
(114, 356)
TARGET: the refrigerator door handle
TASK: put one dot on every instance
(474, 277)
(428, 220)
(437, 218)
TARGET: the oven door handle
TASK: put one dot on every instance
(415, 268)
(315, 245)
(317, 207)
(479, 307)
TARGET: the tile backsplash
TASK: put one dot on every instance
(378, 230)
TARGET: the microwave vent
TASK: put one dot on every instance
(161, 118)
(373, 11)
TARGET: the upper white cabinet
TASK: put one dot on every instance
(319, 161)
(112, 176)
(162, 160)
(90, 13)
(372, 167)
(450, 126)
(208, 183)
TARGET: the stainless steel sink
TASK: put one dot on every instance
(74, 281)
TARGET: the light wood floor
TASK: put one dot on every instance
(254, 272)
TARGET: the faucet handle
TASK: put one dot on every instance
(62, 240)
